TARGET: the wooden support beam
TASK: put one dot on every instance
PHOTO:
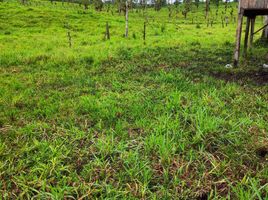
(238, 37)
(260, 29)
(252, 26)
(246, 36)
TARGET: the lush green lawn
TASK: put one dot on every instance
(119, 119)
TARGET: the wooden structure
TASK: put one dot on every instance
(249, 9)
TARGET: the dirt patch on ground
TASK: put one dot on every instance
(258, 78)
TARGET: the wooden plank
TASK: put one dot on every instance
(252, 3)
(242, 4)
(259, 4)
(249, 4)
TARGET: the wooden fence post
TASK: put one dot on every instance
(126, 32)
(144, 33)
(69, 38)
(107, 33)
(252, 31)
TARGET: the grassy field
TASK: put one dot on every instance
(120, 119)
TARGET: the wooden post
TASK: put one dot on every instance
(207, 9)
(144, 33)
(252, 31)
(226, 21)
(69, 38)
(126, 32)
(238, 36)
(246, 36)
(107, 34)
(265, 30)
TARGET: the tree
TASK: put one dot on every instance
(187, 8)
(177, 3)
(143, 4)
(226, 5)
(197, 3)
(217, 2)
(207, 8)
(120, 6)
(98, 4)
(158, 4)
(85, 3)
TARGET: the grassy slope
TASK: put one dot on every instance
(117, 119)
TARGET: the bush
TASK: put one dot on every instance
(98, 4)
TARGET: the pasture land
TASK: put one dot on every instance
(90, 118)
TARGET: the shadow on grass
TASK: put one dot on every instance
(256, 77)
(196, 61)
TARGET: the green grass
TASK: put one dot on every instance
(119, 119)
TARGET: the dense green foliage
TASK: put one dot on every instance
(122, 119)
